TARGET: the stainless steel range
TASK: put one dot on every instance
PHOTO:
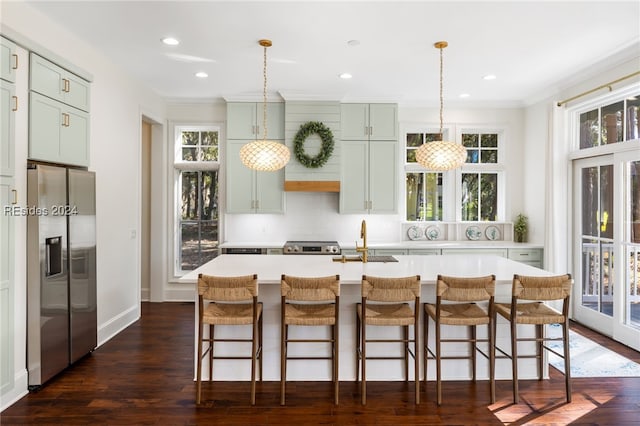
(311, 247)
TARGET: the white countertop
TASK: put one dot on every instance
(270, 267)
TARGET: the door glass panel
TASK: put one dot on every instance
(597, 238)
(632, 305)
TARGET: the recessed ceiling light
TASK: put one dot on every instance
(464, 95)
(345, 76)
(489, 77)
(170, 41)
(353, 43)
(202, 74)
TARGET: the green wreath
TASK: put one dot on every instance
(326, 150)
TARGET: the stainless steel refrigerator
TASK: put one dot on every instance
(61, 269)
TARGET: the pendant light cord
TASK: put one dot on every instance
(264, 97)
(441, 97)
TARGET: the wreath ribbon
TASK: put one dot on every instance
(307, 129)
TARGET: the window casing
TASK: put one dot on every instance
(196, 165)
(474, 192)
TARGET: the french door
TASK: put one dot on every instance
(607, 245)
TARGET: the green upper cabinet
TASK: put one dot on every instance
(245, 120)
(249, 191)
(58, 114)
(7, 128)
(369, 121)
(8, 60)
(57, 83)
(369, 170)
(57, 132)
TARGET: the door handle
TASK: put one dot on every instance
(65, 85)
(15, 105)
(65, 119)
(15, 196)
(15, 61)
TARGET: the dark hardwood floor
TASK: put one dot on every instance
(144, 376)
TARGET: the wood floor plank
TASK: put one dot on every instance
(143, 376)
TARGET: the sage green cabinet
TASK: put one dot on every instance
(425, 252)
(8, 60)
(369, 177)
(369, 166)
(530, 256)
(58, 132)
(7, 128)
(245, 120)
(58, 114)
(55, 82)
(369, 121)
(7, 285)
(250, 191)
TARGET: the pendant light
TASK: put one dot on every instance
(441, 155)
(264, 155)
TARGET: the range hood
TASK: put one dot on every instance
(312, 185)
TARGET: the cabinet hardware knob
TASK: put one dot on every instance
(65, 87)
(15, 105)
(15, 61)
(15, 196)
(65, 119)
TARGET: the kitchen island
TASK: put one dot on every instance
(270, 268)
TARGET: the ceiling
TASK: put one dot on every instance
(533, 48)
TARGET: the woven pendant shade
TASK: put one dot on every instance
(441, 155)
(264, 156)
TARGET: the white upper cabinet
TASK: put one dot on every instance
(369, 122)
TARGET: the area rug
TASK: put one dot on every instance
(588, 358)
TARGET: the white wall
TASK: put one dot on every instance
(116, 105)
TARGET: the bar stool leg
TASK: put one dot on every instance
(416, 358)
(406, 353)
(539, 349)
(492, 358)
(358, 346)
(438, 365)
(260, 347)
(254, 347)
(425, 344)
(363, 388)
(336, 363)
(199, 365)
(567, 360)
(473, 351)
(514, 359)
(283, 362)
(211, 352)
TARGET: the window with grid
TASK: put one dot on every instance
(474, 190)
(197, 166)
(611, 123)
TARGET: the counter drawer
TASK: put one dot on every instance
(525, 255)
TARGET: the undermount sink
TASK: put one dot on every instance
(358, 258)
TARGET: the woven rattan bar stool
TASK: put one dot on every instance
(536, 291)
(460, 309)
(224, 296)
(313, 301)
(392, 308)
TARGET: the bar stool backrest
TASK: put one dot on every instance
(312, 289)
(381, 289)
(542, 288)
(228, 289)
(458, 289)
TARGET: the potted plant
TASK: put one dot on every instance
(520, 227)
